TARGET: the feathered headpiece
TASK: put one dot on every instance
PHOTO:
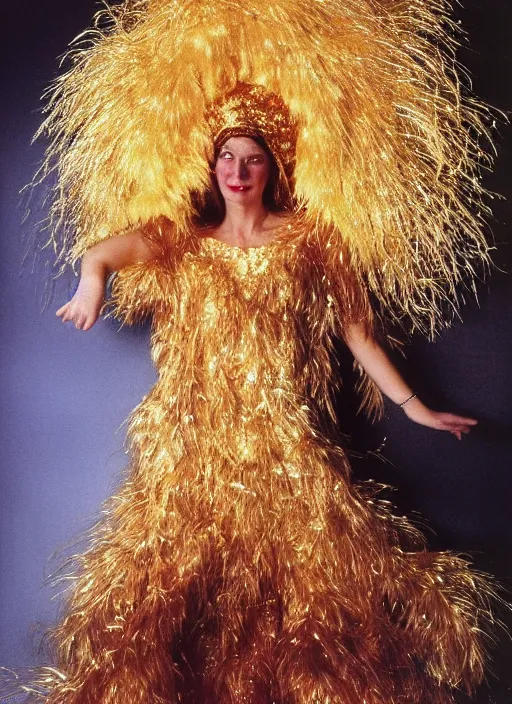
(387, 151)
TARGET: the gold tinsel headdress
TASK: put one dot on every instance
(252, 111)
(388, 148)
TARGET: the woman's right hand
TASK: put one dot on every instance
(84, 308)
(98, 262)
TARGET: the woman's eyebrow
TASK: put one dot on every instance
(251, 155)
(246, 156)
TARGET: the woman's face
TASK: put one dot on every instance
(242, 170)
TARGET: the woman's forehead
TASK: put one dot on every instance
(242, 145)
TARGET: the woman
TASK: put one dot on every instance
(238, 563)
(242, 172)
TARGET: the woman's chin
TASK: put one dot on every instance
(248, 197)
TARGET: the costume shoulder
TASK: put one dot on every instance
(351, 303)
(141, 289)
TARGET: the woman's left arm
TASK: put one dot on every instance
(379, 367)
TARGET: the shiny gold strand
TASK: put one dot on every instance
(238, 562)
(388, 149)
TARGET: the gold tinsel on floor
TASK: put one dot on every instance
(238, 563)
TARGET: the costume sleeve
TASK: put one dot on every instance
(352, 303)
(140, 289)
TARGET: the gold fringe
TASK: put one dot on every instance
(238, 562)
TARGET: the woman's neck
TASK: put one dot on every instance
(245, 226)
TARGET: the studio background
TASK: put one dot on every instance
(66, 394)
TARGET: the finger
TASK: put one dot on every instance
(452, 425)
(89, 323)
(62, 309)
(459, 431)
(80, 321)
(461, 420)
(72, 314)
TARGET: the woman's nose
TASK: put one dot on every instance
(241, 170)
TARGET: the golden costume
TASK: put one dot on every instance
(238, 563)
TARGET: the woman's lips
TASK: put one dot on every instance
(238, 189)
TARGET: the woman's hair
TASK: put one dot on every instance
(210, 207)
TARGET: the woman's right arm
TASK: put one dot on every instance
(98, 262)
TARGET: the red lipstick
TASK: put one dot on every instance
(239, 189)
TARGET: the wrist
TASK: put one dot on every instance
(91, 284)
(408, 399)
(414, 408)
(93, 267)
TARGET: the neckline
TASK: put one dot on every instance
(278, 237)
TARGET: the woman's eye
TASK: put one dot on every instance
(225, 155)
(256, 160)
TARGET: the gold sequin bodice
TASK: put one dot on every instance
(232, 347)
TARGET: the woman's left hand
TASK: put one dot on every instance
(457, 425)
